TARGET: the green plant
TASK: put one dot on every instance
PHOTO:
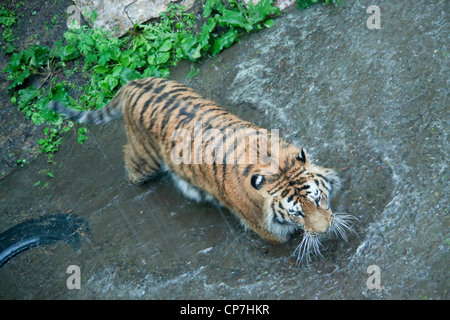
(33, 102)
(304, 4)
(237, 18)
(21, 162)
(37, 60)
(7, 20)
(192, 73)
(25, 64)
(82, 135)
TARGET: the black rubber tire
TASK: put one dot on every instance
(36, 232)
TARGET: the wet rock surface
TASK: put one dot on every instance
(371, 103)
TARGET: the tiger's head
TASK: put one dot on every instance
(297, 196)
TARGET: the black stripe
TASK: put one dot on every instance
(181, 123)
(227, 125)
(276, 214)
(148, 153)
(277, 184)
(136, 166)
(297, 174)
(142, 134)
(166, 94)
(272, 206)
(145, 88)
(155, 94)
(159, 108)
(325, 186)
(307, 186)
(279, 188)
(161, 86)
(247, 170)
(321, 176)
(208, 120)
(166, 117)
(245, 149)
(284, 193)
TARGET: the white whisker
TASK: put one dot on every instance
(342, 224)
(310, 246)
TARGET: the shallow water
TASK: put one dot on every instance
(371, 103)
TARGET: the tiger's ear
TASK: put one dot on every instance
(257, 181)
(303, 156)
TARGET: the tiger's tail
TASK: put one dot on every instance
(109, 112)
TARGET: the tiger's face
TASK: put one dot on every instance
(298, 196)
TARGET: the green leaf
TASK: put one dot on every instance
(189, 49)
(15, 63)
(82, 135)
(10, 48)
(151, 71)
(37, 118)
(129, 74)
(104, 57)
(60, 93)
(19, 79)
(125, 61)
(27, 95)
(151, 60)
(164, 73)
(162, 57)
(24, 63)
(166, 46)
(39, 56)
(262, 10)
(69, 52)
(224, 42)
(269, 23)
(192, 73)
(211, 5)
(207, 29)
(93, 16)
(235, 19)
(196, 53)
(154, 71)
(101, 69)
(112, 82)
(71, 37)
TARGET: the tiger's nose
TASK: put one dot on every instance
(321, 221)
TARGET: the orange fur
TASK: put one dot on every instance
(274, 200)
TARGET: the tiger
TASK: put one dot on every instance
(275, 199)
